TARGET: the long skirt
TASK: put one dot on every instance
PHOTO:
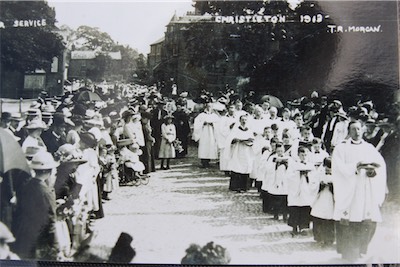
(299, 216)
(353, 238)
(167, 150)
(323, 230)
(239, 182)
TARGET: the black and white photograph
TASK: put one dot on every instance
(200, 132)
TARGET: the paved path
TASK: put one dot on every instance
(188, 204)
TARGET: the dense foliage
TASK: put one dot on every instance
(28, 48)
(274, 57)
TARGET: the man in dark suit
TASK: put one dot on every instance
(181, 122)
(156, 121)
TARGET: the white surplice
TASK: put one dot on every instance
(357, 197)
(204, 132)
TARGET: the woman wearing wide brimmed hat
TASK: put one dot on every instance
(168, 136)
(133, 128)
(35, 129)
(70, 158)
(88, 172)
(36, 212)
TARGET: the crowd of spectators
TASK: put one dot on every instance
(85, 144)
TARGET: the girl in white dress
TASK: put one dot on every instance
(168, 136)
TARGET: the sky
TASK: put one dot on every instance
(129, 22)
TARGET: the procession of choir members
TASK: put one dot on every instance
(307, 168)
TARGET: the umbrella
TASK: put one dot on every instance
(273, 101)
(89, 96)
(11, 155)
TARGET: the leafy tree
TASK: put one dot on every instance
(142, 71)
(91, 38)
(28, 48)
(128, 64)
(276, 57)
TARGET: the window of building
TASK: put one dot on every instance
(34, 82)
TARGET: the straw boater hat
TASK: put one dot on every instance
(47, 115)
(35, 105)
(124, 142)
(36, 124)
(16, 117)
(43, 160)
(34, 112)
(48, 108)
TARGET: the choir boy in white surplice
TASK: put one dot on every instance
(318, 154)
(302, 190)
(261, 161)
(273, 118)
(305, 140)
(241, 156)
(263, 174)
(298, 120)
(287, 123)
(278, 171)
(265, 107)
(323, 206)
(205, 132)
(226, 124)
(261, 144)
(359, 181)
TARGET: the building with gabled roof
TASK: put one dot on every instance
(83, 64)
